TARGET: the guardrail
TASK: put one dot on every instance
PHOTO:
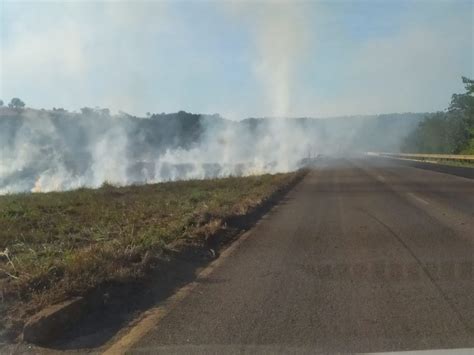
(461, 165)
(427, 157)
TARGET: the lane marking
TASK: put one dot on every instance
(153, 316)
(462, 351)
(418, 198)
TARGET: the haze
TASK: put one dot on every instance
(238, 58)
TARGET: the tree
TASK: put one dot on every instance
(86, 111)
(463, 104)
(442, 133)
(446, 132)
(1, 102)
(104, 111)
(16, 103)
(469, 85)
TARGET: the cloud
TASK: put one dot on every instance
(413, 69)
(78, 53)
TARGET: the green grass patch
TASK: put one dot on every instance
(469, 150)
(465, 164)
(59, 244)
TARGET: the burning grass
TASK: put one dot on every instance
(61, 244)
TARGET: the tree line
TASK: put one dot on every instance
(15, 103)
(449, 132)
(446, 132)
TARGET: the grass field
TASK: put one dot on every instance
(56, 245)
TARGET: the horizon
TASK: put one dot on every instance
(145, 116)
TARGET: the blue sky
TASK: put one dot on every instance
(237, 58)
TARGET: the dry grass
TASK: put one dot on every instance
(60, 244)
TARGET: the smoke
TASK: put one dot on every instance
(56, 150)
(281, 35)
(60, 151)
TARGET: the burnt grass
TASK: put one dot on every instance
(122, 248)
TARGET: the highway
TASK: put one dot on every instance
(362, 255)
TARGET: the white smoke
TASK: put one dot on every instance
(281, 35)
(46, 151)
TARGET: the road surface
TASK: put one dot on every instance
(361, 256)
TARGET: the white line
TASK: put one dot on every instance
(464, 351)
(418, 198)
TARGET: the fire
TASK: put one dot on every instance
(37, 187)
(46, 183)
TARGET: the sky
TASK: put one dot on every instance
(237, 58)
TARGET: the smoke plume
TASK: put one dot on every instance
(56, 150)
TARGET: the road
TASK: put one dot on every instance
(361, 256)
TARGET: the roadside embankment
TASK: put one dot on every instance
(85, 250)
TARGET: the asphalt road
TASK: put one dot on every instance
(361, 256)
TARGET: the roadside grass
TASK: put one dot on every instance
(61, 244)
(469, 150)
(464, 164)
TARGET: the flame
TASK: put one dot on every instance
(46, 183)
(37, 187)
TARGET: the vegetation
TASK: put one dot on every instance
(467, 164)
(450, 132)
(72, 146)
(16, 104)
(60, 244)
